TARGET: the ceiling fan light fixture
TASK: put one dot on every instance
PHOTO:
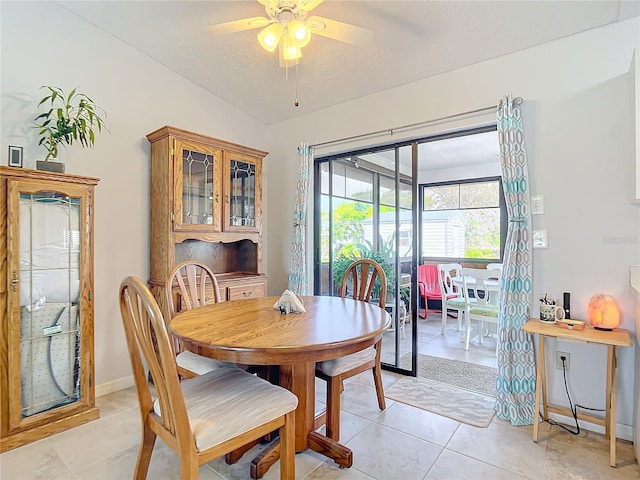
(300, 34)
(270, 36)
(289, 50)
(288, 27)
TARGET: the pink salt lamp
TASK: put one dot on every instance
(603, 312)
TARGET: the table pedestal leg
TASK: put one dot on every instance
(235, 455)
(262, 463)
(328, 447)
(300, 379)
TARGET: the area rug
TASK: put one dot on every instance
(455, 403)
(469, 376)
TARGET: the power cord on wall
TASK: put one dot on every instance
(574, 410)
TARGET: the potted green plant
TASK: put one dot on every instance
(350, 255)
(69, 118)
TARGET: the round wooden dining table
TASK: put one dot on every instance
(253, 332)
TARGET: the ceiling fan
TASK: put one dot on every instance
(288, 27)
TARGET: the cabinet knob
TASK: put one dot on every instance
(14, 281)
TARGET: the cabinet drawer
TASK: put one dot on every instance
(240, 292)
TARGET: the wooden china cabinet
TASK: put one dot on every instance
(206, 205)
(47, 300)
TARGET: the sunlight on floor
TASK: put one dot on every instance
(450, 345)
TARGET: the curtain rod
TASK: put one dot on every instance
(390, 131)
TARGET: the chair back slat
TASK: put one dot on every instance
(445, 278)
(363, 275)
(148, 339)
(195, 285)
(192, 279)
(195, 282)
(476, 285)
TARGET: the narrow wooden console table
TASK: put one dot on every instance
(616, 338)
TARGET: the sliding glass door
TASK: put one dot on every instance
(365, 209)
(437, 199)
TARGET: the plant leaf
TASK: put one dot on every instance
(71, 118)
(71, 95)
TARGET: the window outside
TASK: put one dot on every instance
(462, 220)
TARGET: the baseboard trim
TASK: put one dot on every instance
(624, 432)
(114, 386)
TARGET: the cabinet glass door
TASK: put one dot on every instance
(46, 263)
(198, 195)
(242, 192)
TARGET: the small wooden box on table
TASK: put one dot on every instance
(618, 337)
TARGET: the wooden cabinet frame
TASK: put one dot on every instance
(17, 429)
(178, 145)
(233, 252)
(229, 157)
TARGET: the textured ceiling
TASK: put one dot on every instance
(412, 40)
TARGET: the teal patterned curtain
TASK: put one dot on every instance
(298, 260)
(516, 384)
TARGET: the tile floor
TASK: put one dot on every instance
(450, 345)
(400, 443)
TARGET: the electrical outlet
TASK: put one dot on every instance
(567, 358)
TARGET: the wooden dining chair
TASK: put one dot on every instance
(196, 286)
(201, 418)
(360, 277)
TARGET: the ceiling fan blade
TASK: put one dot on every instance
(238, 25)
(308, 5)
(343, 32)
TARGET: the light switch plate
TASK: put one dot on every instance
(537, 205)
(540, 239)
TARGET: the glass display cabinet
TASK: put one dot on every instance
(206, 205)
(242, 174)
(198, 177)
(47, 335)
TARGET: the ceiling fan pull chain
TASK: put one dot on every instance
(296, 103)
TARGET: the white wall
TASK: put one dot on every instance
(576, 118)
(44, 44)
